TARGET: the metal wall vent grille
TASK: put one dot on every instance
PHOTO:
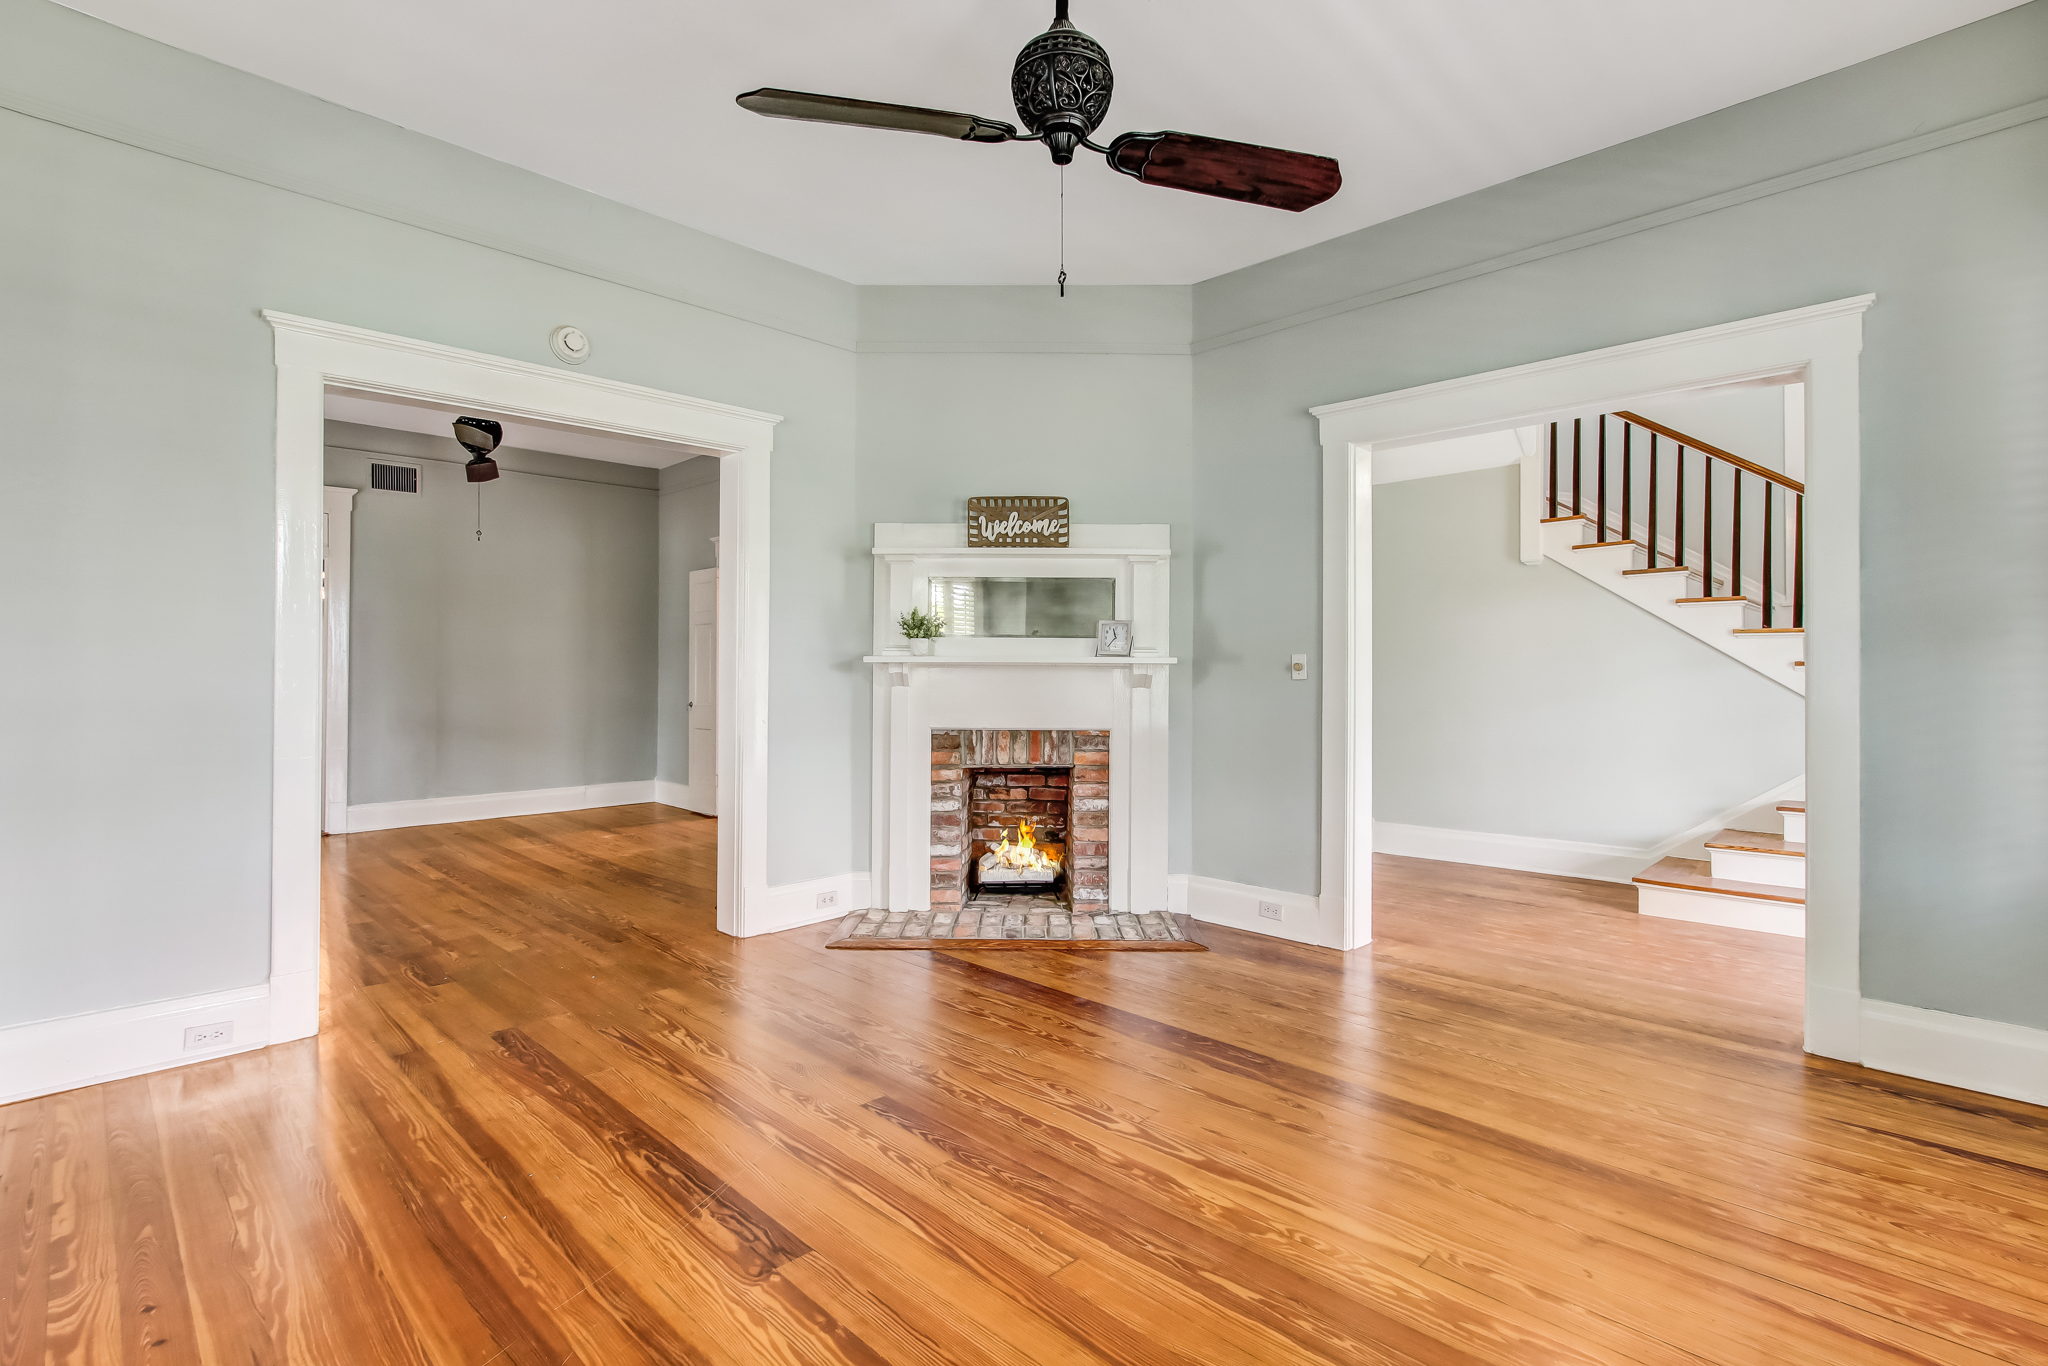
(395, 478)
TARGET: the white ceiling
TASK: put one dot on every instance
(1421, 100)
(435, 419)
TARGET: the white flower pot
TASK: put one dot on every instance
(922, 646)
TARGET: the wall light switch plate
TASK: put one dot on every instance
(1297, 668)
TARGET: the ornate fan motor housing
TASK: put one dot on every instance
(1061, 84)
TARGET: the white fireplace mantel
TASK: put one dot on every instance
(1014, 684)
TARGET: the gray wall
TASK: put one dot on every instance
(1947, 229)
(523, 660)
(1011, 389)
(154, 203)
(1520, 699)
(689, 519)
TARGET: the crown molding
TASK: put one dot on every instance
(259, 173)
(1762, 189)
(1032, 348)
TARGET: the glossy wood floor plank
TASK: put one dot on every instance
(554, 1116)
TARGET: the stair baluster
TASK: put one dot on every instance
(1553, 469)
(1651, 542)
(1601, 456)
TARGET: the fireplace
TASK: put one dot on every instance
(1020, 819)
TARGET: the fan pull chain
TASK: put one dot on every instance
(479, 512)
(1063, 232)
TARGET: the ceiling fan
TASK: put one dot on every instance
(1061, 85)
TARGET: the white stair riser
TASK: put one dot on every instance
(1771, 870)
(1795, 826)
(1707, 616)
(1714, 623)
(1735, 912)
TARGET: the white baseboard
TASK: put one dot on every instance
(1523, 853)
(487, 806)
(48, 1056)
(795, 904)
(681, 796)
(1957, 1050)
(1216, 902)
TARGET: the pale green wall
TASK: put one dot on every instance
(689, 519)
(1011, 389)
(136, 540)
(1954, 242)
(522, 660)
(1516, 699)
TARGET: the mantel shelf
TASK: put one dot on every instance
(1020, 552)
(1012, 661)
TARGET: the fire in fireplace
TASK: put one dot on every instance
(1023, 864)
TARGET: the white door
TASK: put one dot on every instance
(704, 690)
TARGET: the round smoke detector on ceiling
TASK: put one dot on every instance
(571, 345)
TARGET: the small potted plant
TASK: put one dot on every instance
(920, 628)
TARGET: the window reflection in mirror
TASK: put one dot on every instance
(1052, 609)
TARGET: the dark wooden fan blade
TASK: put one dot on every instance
(904, 118)
(1229, 170)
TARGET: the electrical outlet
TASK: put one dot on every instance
(216, 1035)
(1269, 910)
(827, 900)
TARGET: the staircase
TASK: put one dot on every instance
(1749, 880)
(1713, 544)
(1672, 524)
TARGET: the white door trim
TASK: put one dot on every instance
(1819, 345)
(335, 550)
(313, 356)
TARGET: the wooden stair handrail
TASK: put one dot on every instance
(1694, 443)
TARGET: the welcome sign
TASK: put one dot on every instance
(1017, 521)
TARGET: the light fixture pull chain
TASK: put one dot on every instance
(479, 512)
(1063, 232)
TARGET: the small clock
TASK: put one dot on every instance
(1112, 639)
(571, 345)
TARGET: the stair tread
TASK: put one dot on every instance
(1569, 517)
(1757, 842)
(1692, 875)
(1792, 806)
(1737, 598)
(1601, 545)
(1770, 630)
(1662, 569)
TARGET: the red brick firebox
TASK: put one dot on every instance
(985, 781)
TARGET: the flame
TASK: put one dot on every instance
(1024, 854)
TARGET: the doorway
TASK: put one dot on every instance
(536, 642)
(314, 357)
(1816, 346)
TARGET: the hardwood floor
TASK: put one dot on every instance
(554, 1116)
